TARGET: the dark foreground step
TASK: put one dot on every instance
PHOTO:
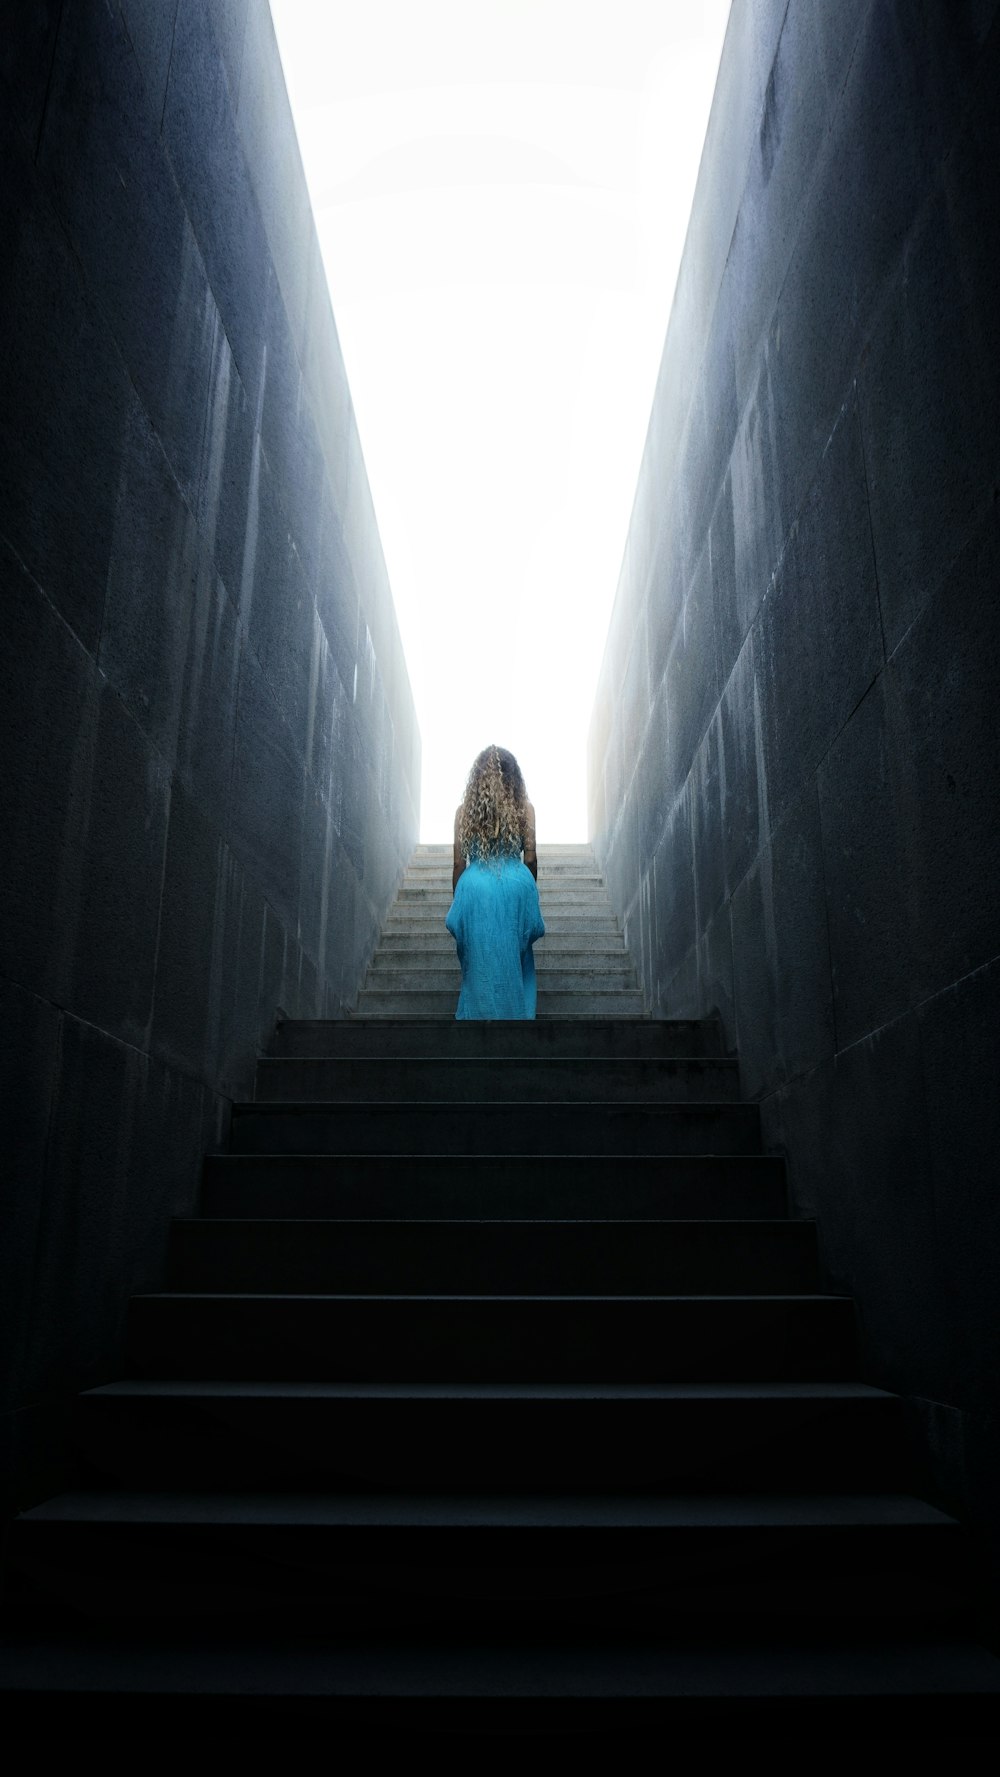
(727, 1436)
(493, 1338)
(440, 1186)
(615, 1130)
(510, 1258)
(471, 1038)
(617, 1081)
(285, 1686)
(374, 1562)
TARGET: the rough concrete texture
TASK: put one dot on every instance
(794, 776)
(211, 759)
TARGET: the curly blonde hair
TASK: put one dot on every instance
(492, 820)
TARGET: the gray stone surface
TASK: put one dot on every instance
(123, 1145)
(818, 635)
(930, 394)
(941, 697)
(959, 1043)
(265, 124)
(740, 785)
(27, 47)
(64, 398)
(871, 945)
(121, 879)
(44, 787)
(150, 28)
(202, 822)
(673, 874)
(244, 1004)
(883, 1237)
(785, 1021)
(800, 830)
(170, 642)
(132, 234)
(706, 811)
(183, 1011)
(206, 153)
(29, 1036)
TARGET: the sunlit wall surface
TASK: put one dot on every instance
(501, 191)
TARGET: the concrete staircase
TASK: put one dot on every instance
(493, 1391)
(583, 968)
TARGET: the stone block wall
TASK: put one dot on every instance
(794, 770)
(210, 756)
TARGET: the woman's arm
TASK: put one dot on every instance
(457, 860)
(530, 856)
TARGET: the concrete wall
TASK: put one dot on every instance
(211, 761)
(794, 770)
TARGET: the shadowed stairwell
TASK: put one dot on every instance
(494, 1369)
(632, 1369)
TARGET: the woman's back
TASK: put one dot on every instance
(495, 917)
(494, 920)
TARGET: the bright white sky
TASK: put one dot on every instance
(501, 190)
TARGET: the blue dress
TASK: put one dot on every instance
(494, 920)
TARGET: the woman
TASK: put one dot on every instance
(494, 917)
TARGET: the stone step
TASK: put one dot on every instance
(610, 1129)
(553, 979)
(375, 1003)
(616, 964)
(578, 850)
(568, 895)
(441, 1186)
(792, 1338)
(422, 954)
(824, 1687)
(560, 849)
(289, 1080)
(583, 926)
(585, 868)
(433, 909)
(551, 888)
(581, 1437)
(566, 950)
(534, 1038)
(370, 1562)
(431, 945)
(584, 877)
(572, 856)
(510, 1258)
